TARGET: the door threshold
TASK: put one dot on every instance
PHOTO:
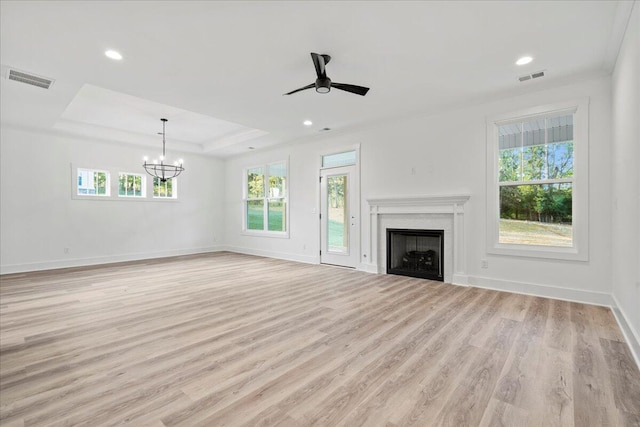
(337, 265)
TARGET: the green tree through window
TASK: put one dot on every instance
(131, 185)
(166, 189)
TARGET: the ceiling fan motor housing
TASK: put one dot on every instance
(323, 85)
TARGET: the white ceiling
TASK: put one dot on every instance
(108, 114)
(201, 64)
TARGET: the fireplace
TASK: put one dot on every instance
(416, 253)
(429, 212)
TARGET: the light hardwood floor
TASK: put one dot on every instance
(235, 340)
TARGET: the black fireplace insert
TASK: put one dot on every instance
(416, 253)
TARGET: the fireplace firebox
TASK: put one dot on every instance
(416, 253)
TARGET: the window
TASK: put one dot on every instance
(535, 180)
(266, 199)
(537, 200)
(165, 190)
(131, 185)
(339, 159)
(93, 183)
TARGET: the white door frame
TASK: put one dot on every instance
(354, 238)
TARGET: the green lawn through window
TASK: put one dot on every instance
(535, 233)
(255, 218)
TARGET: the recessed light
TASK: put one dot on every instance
(307, 123)
(524, 60)
(113, 55)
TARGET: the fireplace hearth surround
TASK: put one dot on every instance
(438, 212)
(416, 253)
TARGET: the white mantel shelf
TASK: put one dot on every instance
(417, 201)
(449, 204)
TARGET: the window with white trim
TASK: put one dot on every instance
(537, 186)
(95, 183)
(345, 158)
(91, 182)
(265, 201)
(131, 185)
(165, 189)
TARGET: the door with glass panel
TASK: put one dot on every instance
(338, 204)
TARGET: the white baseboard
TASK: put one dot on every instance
(82, 262)
(307, 259)
(574, 295)
(367, 268)
(460, 279)
(630, 334)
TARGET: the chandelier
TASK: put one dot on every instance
(163, 170)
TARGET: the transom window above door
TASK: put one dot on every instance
(345, 158)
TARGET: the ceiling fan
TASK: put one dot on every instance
(323, 84)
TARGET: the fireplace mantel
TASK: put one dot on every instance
(451, 206)
(413, 202)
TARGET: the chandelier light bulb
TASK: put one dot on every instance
(145, 159)
(180, 161)
(162, 158)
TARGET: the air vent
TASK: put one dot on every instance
(30, 79)
(531, 76)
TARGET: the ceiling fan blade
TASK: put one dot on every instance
(319, 61)
(302, 88)
(358, 90)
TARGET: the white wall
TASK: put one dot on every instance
(39, 218)
(447, 152)
(626, 178)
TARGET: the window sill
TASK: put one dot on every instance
(81, 197)
(259, 233)
(126, 199)
(537, 251)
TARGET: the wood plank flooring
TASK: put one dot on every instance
(233, 340)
